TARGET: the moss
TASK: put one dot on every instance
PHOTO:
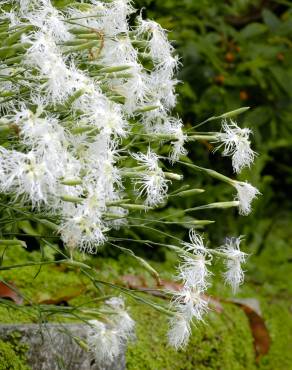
(278, 319)
(13, 354)
(225, 342)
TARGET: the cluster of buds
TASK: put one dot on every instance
(86, 101)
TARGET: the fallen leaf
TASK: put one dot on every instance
(7, 292)
(139, 283)
(133, 281)
(261, 336)
(62, 298)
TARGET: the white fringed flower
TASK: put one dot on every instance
(28, 175)
(45, 56)
(123, 322)
(245, 195)
(162, 89)
(188, 304)
(112, 17)
(134, 88)
(159, 47)
(159, 123)
(174, 127)
(44, 134)
(150, 160)
(234, 275)
(83, 227)
(152, 182)
(119, 52)
(104, 343)
(193, 271)
(99, 112)
(179, 332)
(154, 186)
(99, 159)
(236, 144)
(197, 243)
(48, 19)
(80, 232)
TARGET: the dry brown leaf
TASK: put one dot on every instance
(261, 336)
(7, 292)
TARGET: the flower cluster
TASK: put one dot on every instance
(190, 303)
(86, 135)
(84, 82)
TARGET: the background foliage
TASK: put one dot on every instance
(237, 53)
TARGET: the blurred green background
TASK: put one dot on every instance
(233, 54)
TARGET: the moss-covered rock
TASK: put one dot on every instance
(12, 355)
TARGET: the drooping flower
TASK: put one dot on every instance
(188, 304)
(104, 343)
(123, 322)
(234, 258)
(179, 332)
(245, 195)
(193, 271)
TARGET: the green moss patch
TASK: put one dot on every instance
(13, 354)
(223, 342)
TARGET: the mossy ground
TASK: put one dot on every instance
(13, 354)
(224, 342)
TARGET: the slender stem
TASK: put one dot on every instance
(39, 263)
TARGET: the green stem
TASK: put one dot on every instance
(212, 173)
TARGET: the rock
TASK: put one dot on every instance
(55, 347)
